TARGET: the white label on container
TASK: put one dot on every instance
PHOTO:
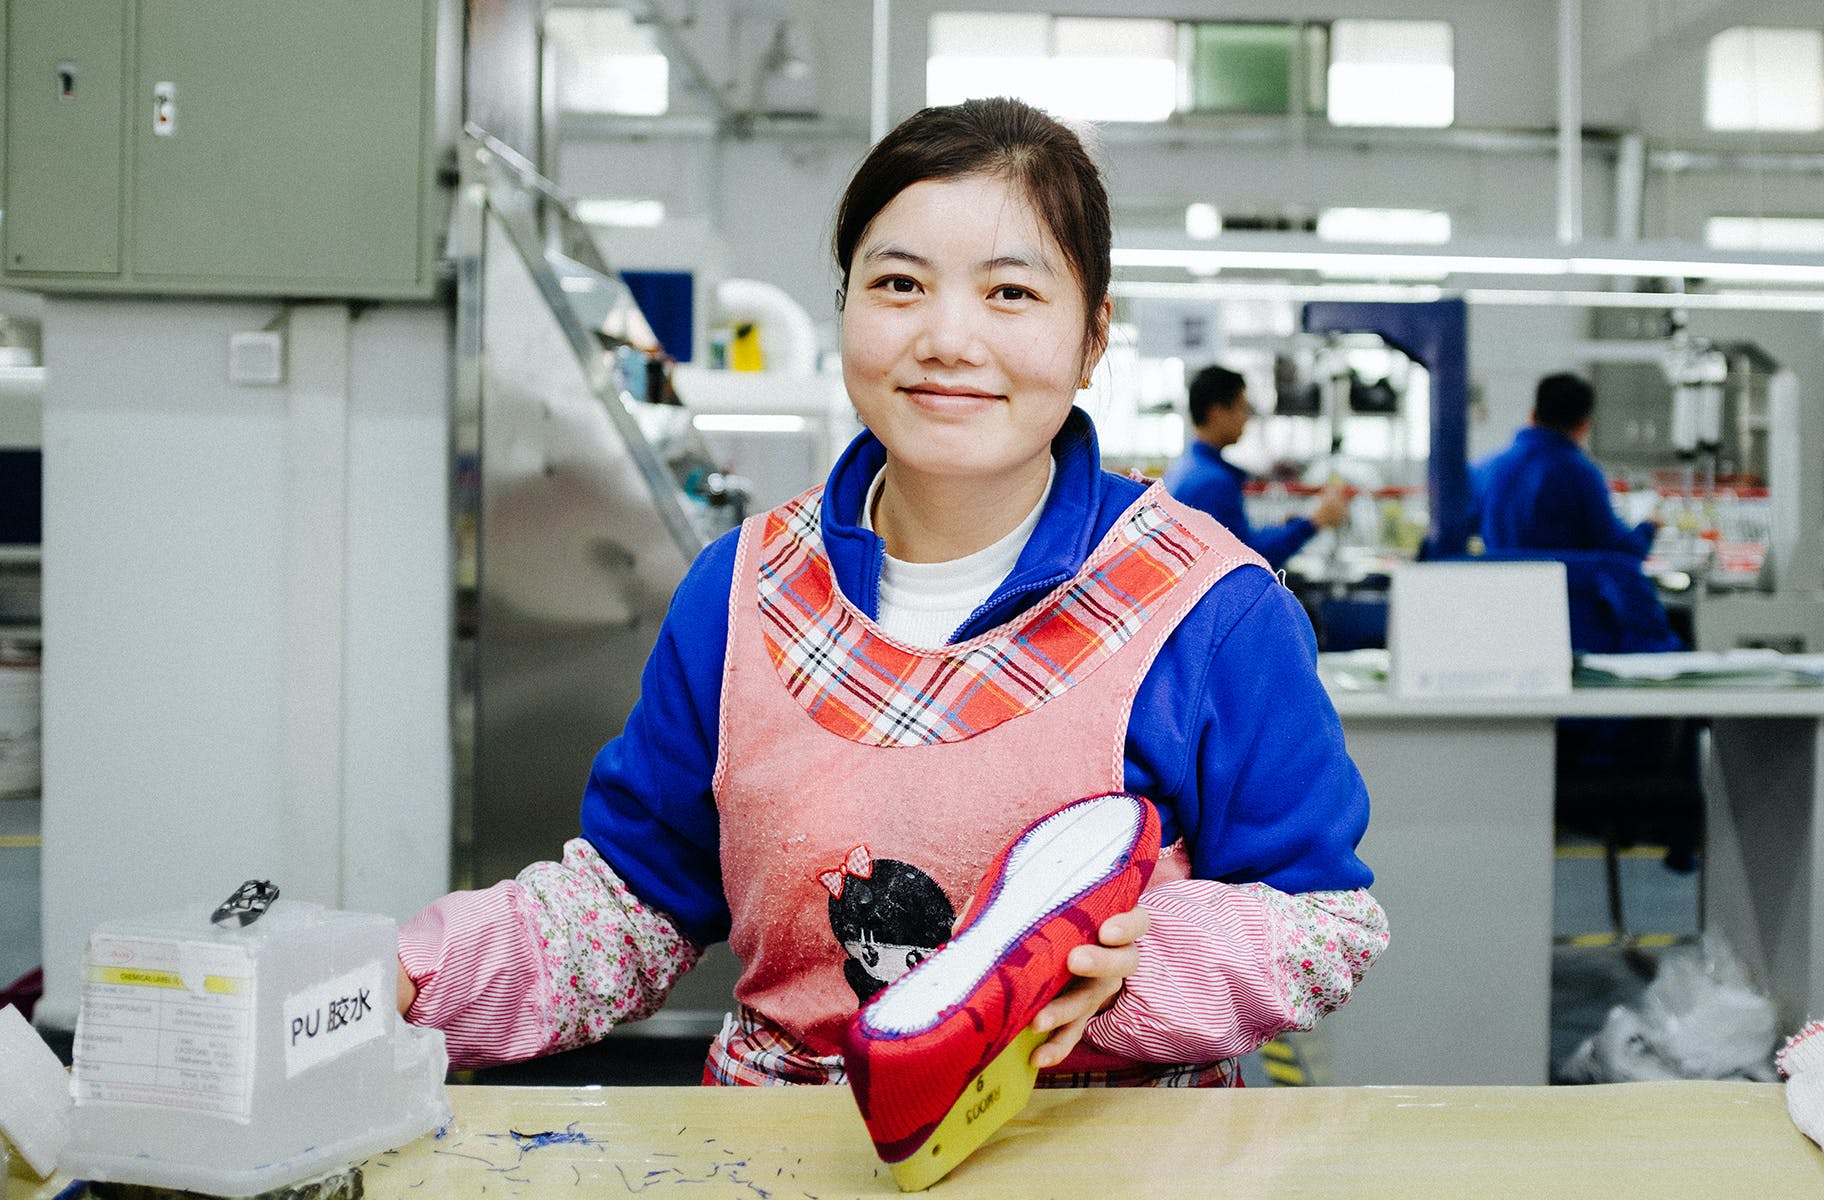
(329, 1019)
(166, 1024)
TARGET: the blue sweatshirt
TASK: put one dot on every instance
(1544, 493)
(1231, 734)
(1203, 478)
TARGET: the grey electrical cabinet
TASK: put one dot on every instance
(246, 147)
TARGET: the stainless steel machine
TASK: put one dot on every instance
(1698, 414)
(583, 493)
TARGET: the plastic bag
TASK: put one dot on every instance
(1700, 1018)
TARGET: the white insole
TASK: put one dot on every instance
(1063, 856)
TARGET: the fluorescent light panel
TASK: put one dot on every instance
(1342, 262)
(1377, 264)
(1802, 235)
(1409, 226)
(1411, 293)
(631, 214)
(1735, 272)
(748, 423)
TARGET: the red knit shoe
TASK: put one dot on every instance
(941, 1057)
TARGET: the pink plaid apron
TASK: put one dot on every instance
(863, 785)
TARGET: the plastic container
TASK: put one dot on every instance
(34, 1096)
(234, 1060)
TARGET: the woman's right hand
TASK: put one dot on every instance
(408, 991)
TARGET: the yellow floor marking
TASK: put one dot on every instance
(1284, 1074)
(1643, 941)
(1597, 852)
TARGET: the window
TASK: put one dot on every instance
(1089, 68)
(606, 62)
(1765, 79)
(1235, 67)
(1411, 226)
(1359, 72)
(1799, 235)
(1391, 73)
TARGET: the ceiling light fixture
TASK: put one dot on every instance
(1242, 252)
(1288, 291)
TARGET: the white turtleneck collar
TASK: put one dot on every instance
(922, 604)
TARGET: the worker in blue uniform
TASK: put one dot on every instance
(1544, 493)
(1544, 497)
(1202, 478)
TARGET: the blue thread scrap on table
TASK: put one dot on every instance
(550, 1137)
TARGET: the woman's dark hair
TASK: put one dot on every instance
(999, 137)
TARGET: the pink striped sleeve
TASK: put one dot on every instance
(1225, 968)
(546, 962)
(477, 967)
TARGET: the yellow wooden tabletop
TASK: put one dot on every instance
(1658, 1141)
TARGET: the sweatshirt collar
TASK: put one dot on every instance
(1065, 535)
(1542, 435)
(1206, 453)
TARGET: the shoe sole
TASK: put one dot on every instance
(1047, 871)
(1052, 867)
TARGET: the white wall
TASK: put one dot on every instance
(190, 539)
(1510, 349)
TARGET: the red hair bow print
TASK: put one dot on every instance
(859, 864)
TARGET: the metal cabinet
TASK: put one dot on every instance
(65, 76)
(220, 147)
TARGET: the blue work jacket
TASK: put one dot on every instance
(1544, 493)
(1231, 733)
(1203, 478)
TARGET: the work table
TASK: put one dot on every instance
(1461, 841)
(1357, 684)
(1669, 1141)
(1715, 702)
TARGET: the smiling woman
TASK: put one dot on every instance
(861, 697)
(962, 349)
(973, 245)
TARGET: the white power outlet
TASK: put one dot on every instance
(256, 356)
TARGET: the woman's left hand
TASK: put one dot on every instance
(1100, 972)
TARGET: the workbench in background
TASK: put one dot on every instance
(1460, 839)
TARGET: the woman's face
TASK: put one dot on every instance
(963, 331)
